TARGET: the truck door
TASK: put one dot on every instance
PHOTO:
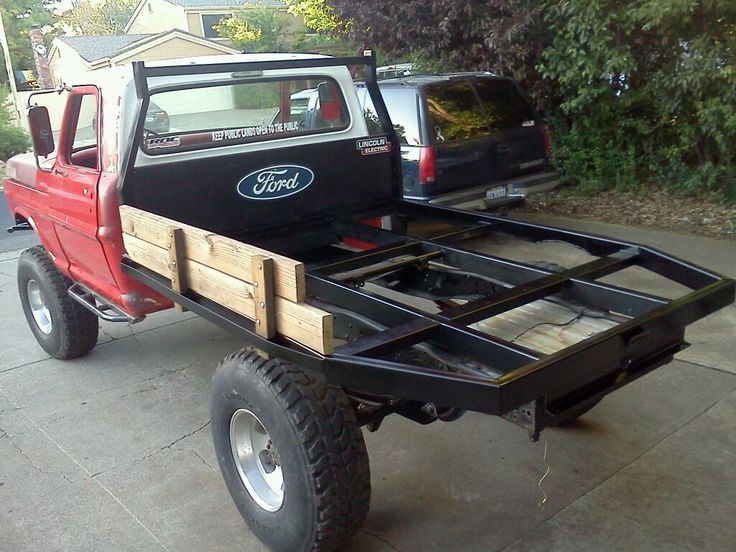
(73, 187)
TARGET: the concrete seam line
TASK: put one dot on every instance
(89, 474)
(721, 370)
(136, 334)
(10, 255)
(6, 370)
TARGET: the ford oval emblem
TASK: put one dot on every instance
(275, 182)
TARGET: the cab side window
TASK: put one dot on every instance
(83, 151)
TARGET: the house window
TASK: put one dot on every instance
(209, 21)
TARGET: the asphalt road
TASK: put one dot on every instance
(16, 240)
(112, 452)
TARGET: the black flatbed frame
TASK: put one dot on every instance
(583, 372)
(531, 388)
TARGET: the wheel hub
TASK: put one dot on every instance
(257, 460)
(39, 309)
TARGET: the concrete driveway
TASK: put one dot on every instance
(113, 452)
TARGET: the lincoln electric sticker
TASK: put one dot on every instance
(372, 146)
(275, 182)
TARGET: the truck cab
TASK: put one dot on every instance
(69, 192)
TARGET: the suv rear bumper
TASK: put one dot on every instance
(517, 189)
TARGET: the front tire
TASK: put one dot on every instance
(291, 453)
(62, 327)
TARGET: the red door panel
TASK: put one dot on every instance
(72, 192)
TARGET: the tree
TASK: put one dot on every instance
(648, 91)
(20, 16)
(503, 36)
(317, 15)
(86, 17)
(255, 28)
(13, 140)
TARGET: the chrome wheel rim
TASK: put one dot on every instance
(257, 460)
(39, 310)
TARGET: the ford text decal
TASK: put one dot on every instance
(275, 182)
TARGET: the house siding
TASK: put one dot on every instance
(175, 47)
(66, 65)
(161, 17)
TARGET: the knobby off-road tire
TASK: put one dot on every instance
(313, 442)
(63, 327)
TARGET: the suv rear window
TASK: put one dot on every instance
(503, 104)
(454, 112)
(212, 116)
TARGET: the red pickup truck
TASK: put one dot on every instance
(234, 210)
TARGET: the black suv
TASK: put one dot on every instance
(469, 140)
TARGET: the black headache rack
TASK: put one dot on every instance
(396, 357)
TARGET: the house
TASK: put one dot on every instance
(195, 16)
(72, 56)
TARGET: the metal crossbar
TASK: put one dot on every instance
(408, 326)
(578, 285)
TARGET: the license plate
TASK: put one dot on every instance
(497, 192)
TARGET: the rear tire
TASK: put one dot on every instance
(276, 424)
(62, 327)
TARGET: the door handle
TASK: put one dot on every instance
(61, 173)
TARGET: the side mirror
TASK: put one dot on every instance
(41, 133)
(329, 102)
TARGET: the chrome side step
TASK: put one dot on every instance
(99, 306)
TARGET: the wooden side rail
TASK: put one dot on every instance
(227, 271)
(219, 252)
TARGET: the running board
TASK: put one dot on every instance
(99, 306)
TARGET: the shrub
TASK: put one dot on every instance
(12, 141)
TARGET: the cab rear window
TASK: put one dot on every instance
(213, 116)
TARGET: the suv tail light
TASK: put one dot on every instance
(547, 148)
(426, 165)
